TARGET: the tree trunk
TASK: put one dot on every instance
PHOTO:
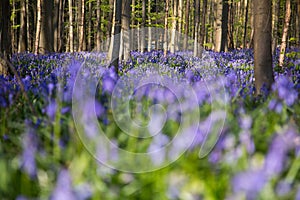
(46, 35)
(196, 26)
(71, 33)
(143, 35)
(38, 26)
(246, 24)
(298, 24)
(166, 28)
(285, 32)
(98, 28)
(5, 36)
(186, 27)
(203, 23)
(125, 29)
(117, 31)
(149, 27)
(276, 8)
(22, 35)
(173, 29)
(263, 71)
(81, 12)
(218, 25)
(225, 8)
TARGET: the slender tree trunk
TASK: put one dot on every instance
(173, 29)
(245, 24)
(263, 71)
(218, 25)
(180, 16)
(298, 24)
(186, 27)
(98, 24)
(22, 35)
(133, 41)
(149, 27)
(285, 32)
(38, 26)
(81, 13)
(166, 28)
(276, 8)
(225, 8)
(231, 26)
(71, 32)
(203, 23)
(117, 31)
(5, 36)
(196, 26)
(125, 29)
(143, 35)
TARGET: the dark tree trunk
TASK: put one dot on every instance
(224, 25)
(263, 71)
(117, 31)
(203, 22)
(5, 36)
(46, 37)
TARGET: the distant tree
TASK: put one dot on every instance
(71, 32)
(126, 40)
(5, 36)
(81, 14)
(117, 32)
(217, 25)
(98, 22)
(22, 46)
(196, 26)
(46, 35)
(186, 22)
(263, 71)
(38, 26)
(285, 32)
(298, 24)
(166, 27)
(225, 9)
(203, 24)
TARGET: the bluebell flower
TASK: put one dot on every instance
(250, 183)
(63, 188)
(28, 162)
(283, 187)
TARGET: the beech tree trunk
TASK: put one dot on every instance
(38, 26)
(81, 12)
(245, 24)
(166, 28)
(46, 35)
(22, 34)
(285, 32)
(98, 25)
(196, 26)
(173, 29)
(218, 25)
(125, 29)
(117, 33)
(203, 23)
(5, 36)
(186, 27)
(263, 71)
(71, 33)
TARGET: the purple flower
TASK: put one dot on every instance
(277, 154)
(156, 149)
(283, 187)
(63, 189)
(250, 182)
(51, 110)
(29, 149)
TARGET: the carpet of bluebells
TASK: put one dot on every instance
(256, 157)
